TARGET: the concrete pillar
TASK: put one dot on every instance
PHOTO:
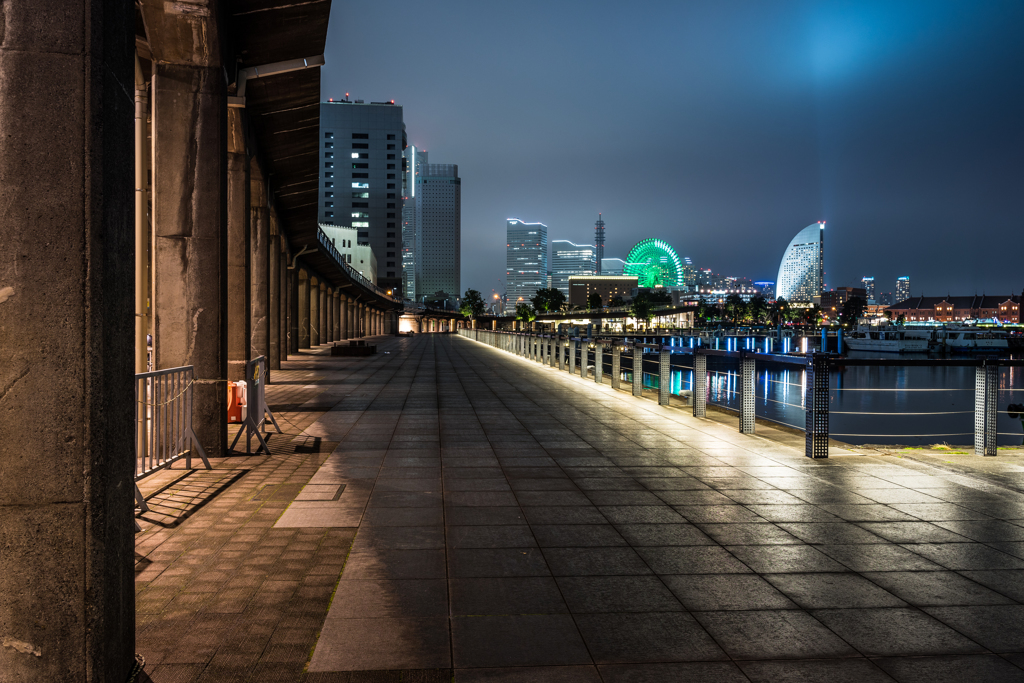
(322, 312)
(259, 264)
(303, 312)
(293, 310)
(350, 319)
(329, 316)
(274, 302)
(336, 329)
(343, 333)
(66, 342)
(285, 301)
(238, 254)
(189, 214)
(314, 312)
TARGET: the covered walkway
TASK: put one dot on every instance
(445, 509)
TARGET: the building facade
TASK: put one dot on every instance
(526, 261)
(361, 168)
(612, 266)
(902, 289)
(438, 232)
(359, 256)
(801, 272)
(413, 158)
(766, 289)
(950, 309)
(869, 288)
(569, 258)
(607, 286)
(832, 302)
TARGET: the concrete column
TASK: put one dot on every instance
(336, 334)
(322, 311)
(292, 314)
(329, 316)
(284, 303)
(259, 264)
(314, 312)
(66, 342)
(274, 302)
(238, 254)
(303, 315)
(189, 216)
(343, 333)
(350, 319)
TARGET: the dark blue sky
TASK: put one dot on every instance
(723, 127)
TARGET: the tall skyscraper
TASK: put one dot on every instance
(438, 232)
(526, 261)
(413, 158)
(801, 273)
(902, 288)
(361, 171)
(612, 266)
(569, 258)
(599, 242)
(869, 288)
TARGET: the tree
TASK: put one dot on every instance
(706, 313)
(549, 299)
(594, 301)
(525, 313)
(779, 311)
(642, 308)
(472, 305)
(757, 309)
(901, 319)
(735, 307)
(853, 309)
(659, 296)
(811, 315)
(616, 301)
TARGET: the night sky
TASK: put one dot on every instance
(723, 127)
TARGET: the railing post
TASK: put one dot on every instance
(599, 363)
(638, 370)
(664, 376)
(584, 357)
(699, 386)
(561, 355)
(746, 393)
(816, 406)
(616, 365)
(985, 410)
(572, 357)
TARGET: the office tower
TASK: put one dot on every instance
(885, 299)
(361, 178)
(413, 158)
(869, 288)
(612, 266)
(689, 274)
(438, 232)
(526, 261)
(902, 288)
(599, 242)
(766, 288)
(801, 272)
(569, 258)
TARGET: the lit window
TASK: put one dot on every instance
(361, 186)
(360, 224)
(360, 214)
(360, 195)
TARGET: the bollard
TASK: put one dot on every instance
(616, 365)
(699, 385)
(553, 355)
(599, 363)
(584, 357)
(664, 376)
(638, 370)
(747, 392)
(572, 357)
(986, 391)
(561, 354)
(816, 406)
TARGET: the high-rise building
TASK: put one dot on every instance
(885, 299)
(766, 288)
(801, 273)
(599, 242)
(413, 159)
(569, 258)
(869, 288)
(612, 266)
(902, 288)
(361, 169)
(526, 261)
(438, 232)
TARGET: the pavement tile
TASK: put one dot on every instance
(936, 589)
(773, 634)
(950, 669)
(646, 637)
(519, 640)
(591, 594)
(895, 632)
(821, 590)
(719, 592)
(853, 670)
(387, 643)
(1000, 628)
(508, 595)
(706, 672)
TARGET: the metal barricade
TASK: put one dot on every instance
(163, 424)
(256, 412)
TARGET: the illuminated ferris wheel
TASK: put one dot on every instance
(655, 263)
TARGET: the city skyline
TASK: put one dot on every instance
(887, 121)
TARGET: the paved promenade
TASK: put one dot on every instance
(444, 510)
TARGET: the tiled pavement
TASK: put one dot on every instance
(513, 523)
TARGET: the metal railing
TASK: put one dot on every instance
(163, 424)
(815, 390)
(354, 274)
(256, 412)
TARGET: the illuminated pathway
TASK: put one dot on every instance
(507, 515)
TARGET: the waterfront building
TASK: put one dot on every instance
(689, 274)
(869, 288)
(569, 258)
(598, 243)
(438, 231)
(655, 264)
(766, 289)
(361, 169)
(947, 309)
(357, 254)
(526, 261)
(832, 301)
(607, 286)
(413, 158)
(902, 288)
(801, 272)
(612, 266)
